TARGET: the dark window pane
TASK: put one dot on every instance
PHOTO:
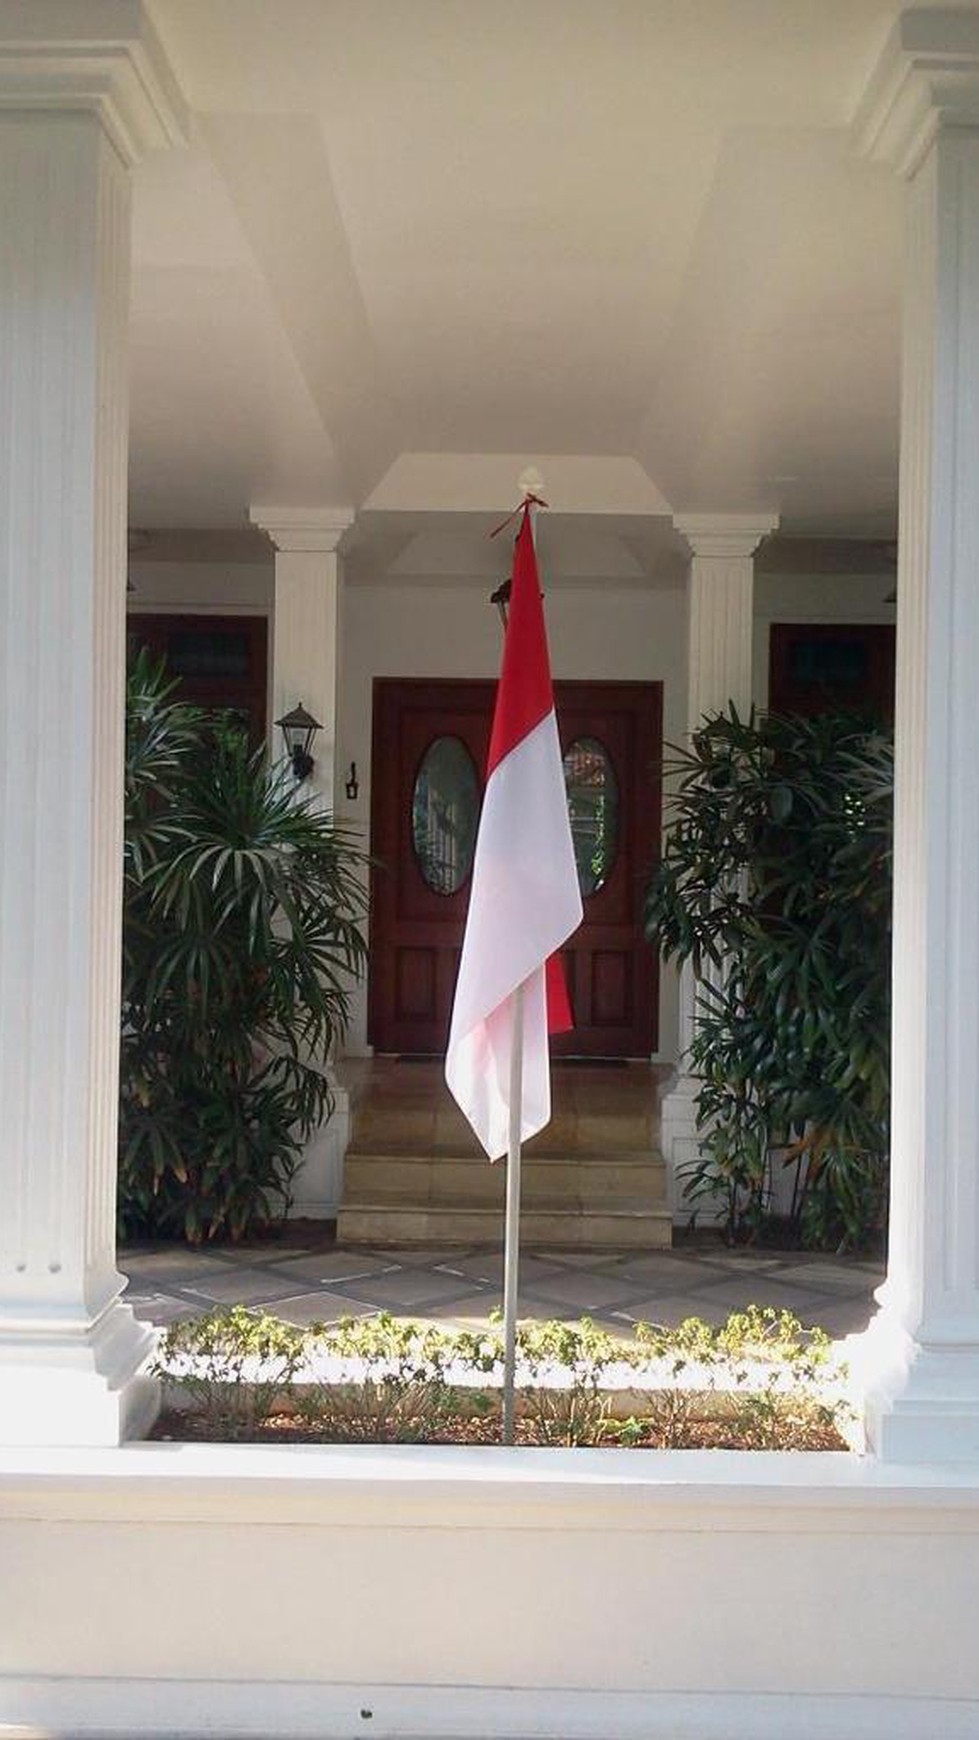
(831, 663)
(593, 807)
(204, 653)
(444, 813)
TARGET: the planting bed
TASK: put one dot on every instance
(761, 1382)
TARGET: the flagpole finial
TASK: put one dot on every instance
(531, 483)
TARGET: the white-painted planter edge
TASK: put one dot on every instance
(246, 1591)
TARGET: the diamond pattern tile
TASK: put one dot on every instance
(587, 1293)
(327, 1267)
(239, 1287)
(321, 1307)
(673, 1309)
(411, 1290)
(311, 1280)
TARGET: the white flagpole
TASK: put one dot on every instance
(511, 1255)
(531, 485)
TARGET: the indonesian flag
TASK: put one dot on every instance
(525, 900)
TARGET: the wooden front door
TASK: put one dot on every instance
(430, 746)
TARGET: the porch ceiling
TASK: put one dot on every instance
(632, 231)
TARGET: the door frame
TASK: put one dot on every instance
(384, 794)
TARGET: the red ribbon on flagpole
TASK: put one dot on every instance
(529, 501)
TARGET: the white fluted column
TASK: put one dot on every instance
(73, 117)
(720, 610)
(305, 629)
(922, 114)
(305, 637)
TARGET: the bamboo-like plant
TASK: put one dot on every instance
(242, 939)
(775, 883)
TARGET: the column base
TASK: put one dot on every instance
(921, 1399)
(679, 1136)
(317, 1189)
(71, 1385)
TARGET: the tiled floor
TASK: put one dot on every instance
(303, 1277)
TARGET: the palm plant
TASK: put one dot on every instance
(242, 939)
(775, 883)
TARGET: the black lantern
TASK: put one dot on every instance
(501, 598)
(299, 728)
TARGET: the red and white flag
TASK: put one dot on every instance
(525, 899)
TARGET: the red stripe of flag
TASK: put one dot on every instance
(524, 901)
(525, 695)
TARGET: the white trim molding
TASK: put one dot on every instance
(104, 58)
(717, 535)
(245, 1709)
(927, 78)
(303, 530)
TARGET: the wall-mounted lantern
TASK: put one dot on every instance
(299, 728)
(353, 784)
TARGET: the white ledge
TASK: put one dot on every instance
(167, 1475)
(486, 1594)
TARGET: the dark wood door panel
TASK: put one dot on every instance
(417, 930)
(611, 968)
(845, 667)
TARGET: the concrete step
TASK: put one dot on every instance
(439, 1127)
(414, 1173)
(405, 1108)
(401, 1226)
(583, 1181)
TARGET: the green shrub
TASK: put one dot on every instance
(394, 1390)
(394, 1381)
(233, 1365)
(563, 1370)
(242, 935)
(775, 884)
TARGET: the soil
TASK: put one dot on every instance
(706, 1434)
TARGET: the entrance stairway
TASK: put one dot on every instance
(593, 1180)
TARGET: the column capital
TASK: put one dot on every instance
(725, 535)
(927, 78)
(303, 529)
(104, 58)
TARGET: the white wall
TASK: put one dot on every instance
(487, 1594)
(220, 587)
(444, 630)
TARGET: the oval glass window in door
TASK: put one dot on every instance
(444, 814)
(593, 807)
